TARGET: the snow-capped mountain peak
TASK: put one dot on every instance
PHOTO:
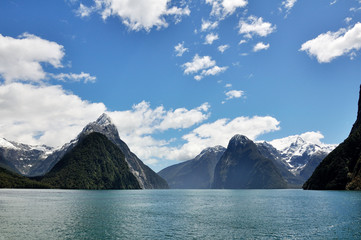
(6, 144)
(104, 120)
(216, 149)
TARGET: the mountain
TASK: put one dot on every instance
(341, 169)
(295, 157)
(146, 177)
(21, 158)
(93, 163)
(243, 167)
(38, 160)
(196, 173)
(10, 179)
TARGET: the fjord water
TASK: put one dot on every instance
(179, 214)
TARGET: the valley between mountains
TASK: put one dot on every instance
(99, 159)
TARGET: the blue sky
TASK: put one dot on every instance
(266, 69)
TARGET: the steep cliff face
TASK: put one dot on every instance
(243, 167)
(341, 169)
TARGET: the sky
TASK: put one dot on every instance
(179, 76)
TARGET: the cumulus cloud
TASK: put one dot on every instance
(205, 65)
(210, 38)
(43, 114)
(58, 116)
(260, 46)
(255, 26)
(180, 49)
(224, 8)
(207, 25)
(234, 94)
(136, 14)
(220, 132)
(85, 77)
(330, 45)
(198, 63)
(21, 58)
(142, 119)
(223, 48)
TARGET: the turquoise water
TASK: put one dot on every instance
(179, 214)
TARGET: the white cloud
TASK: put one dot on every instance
(234, 94)
(223, 8)
(198, 63)
(180, 49)
(242, 41)
(255, 26)
(220, 132)
(142, 119)
(348, 20)
(223, 48)
(43, 114)
(333, 2)
(205, 64)
(21, 58)
(85, 77)
(136, 14)
(288, 4)
(207, 25)
(228, 85)
(328, 46)
(84, 11)
(260, 46)
(213, 71)
(210, 38)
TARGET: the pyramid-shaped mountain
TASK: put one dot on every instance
(146, 177)
(94, 163)
(341, 169)
(196, 173)
(243, 167)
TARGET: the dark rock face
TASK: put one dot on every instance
(243, 167)
(341, 169)
(93, 163)
(196, 173)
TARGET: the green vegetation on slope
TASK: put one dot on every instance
(94, 163)
(13, 180)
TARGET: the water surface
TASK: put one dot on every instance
(179, 214)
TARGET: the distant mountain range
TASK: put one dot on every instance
(34, 161)
(293, 158)
(341, 169)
